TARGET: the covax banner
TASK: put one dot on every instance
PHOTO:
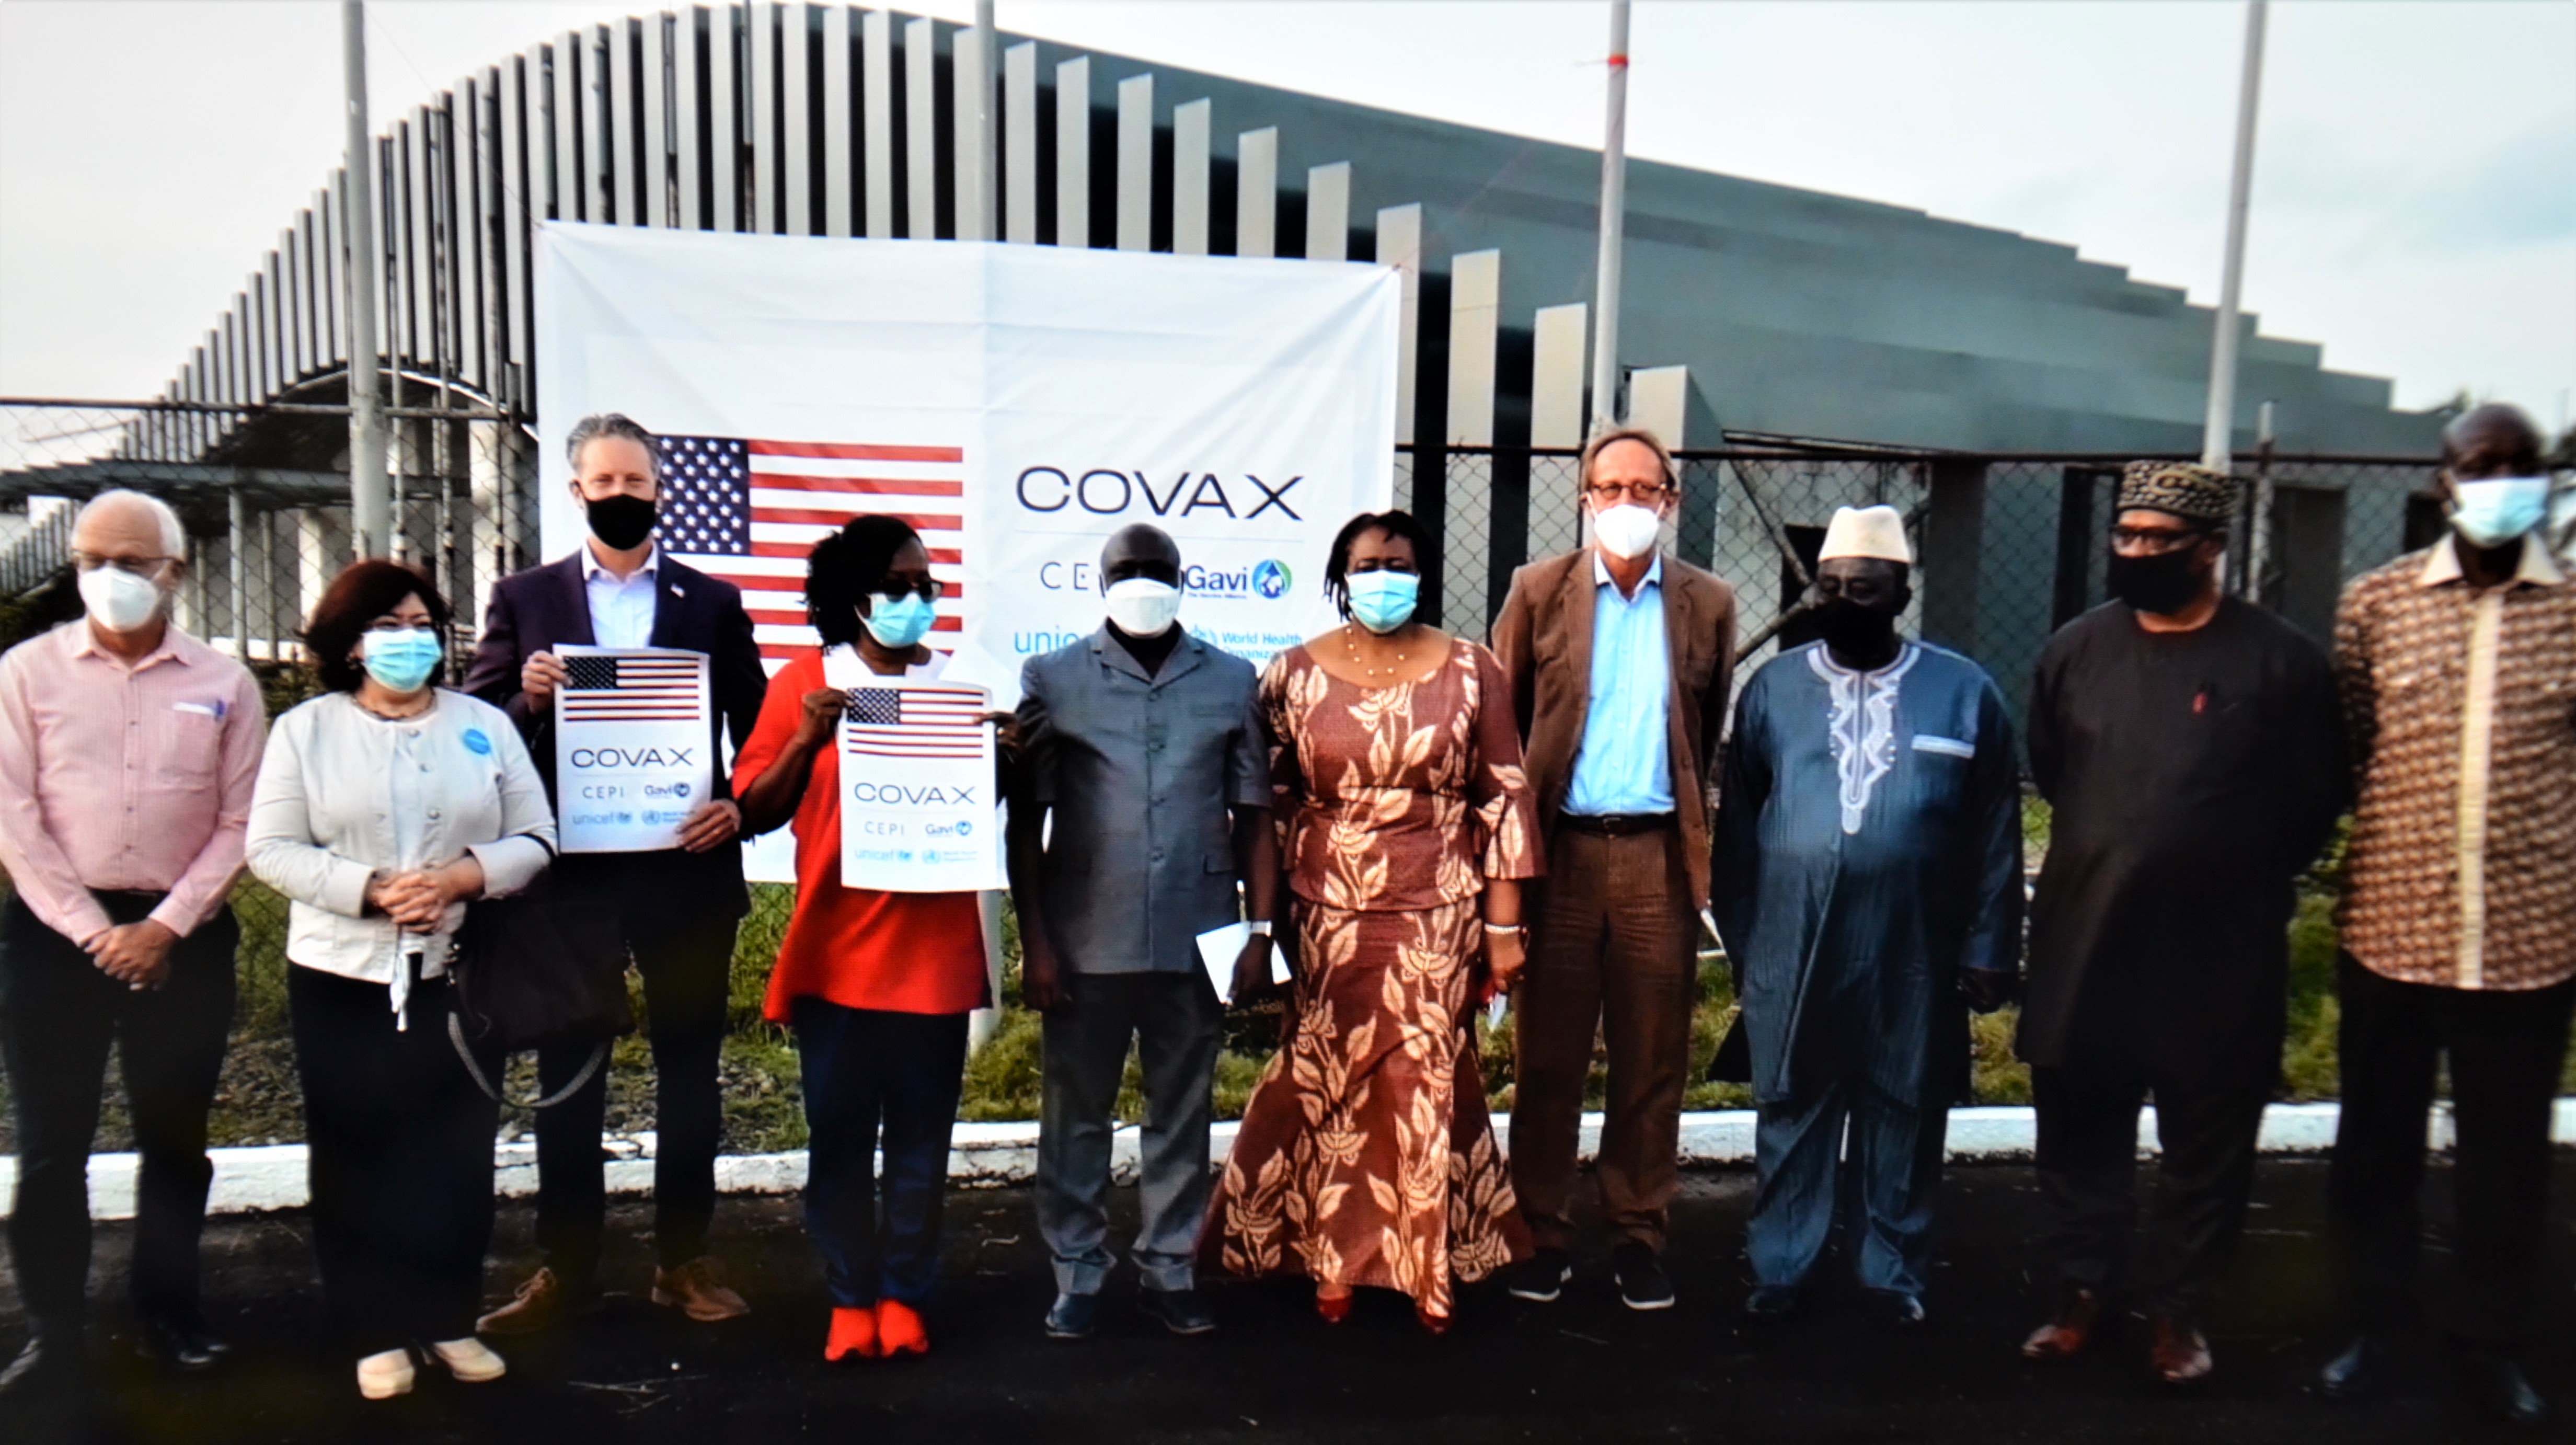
(1016, 403)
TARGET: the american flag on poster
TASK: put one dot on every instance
(916, 721)
(748, 509)
(605, 688)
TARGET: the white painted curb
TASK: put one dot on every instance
(982, 1155)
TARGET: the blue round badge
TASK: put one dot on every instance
(475, 740)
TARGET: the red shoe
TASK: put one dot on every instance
(854, 1332)
(1334, 1308)
(899, 1329)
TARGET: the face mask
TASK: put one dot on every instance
(621, 521)
(899, 622)
(2163, 585)
(1853, 630)
(401, 661)
(1143, 607)
(117, 599)
(1383, 601)
(2495, 510)
(1628, 530)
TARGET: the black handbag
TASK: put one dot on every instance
(537, 969)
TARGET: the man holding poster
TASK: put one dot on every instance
(646, 662)
(1143, 744)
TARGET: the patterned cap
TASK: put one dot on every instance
(2183, 489)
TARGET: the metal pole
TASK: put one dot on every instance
(988, 165)
(370, 496)
(1614, 206)
(2258, 527)
(2217, 431)
(237, 570)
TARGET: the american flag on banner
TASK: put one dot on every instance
(749, 509)
(631, 689)
(916, 722)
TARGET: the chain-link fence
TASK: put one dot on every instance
(2008, 547)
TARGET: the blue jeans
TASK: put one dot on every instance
(865, 1068)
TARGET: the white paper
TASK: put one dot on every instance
(1220, 947)
(920, 819)
(1494, 1010)
(972, 666)
(634, 755)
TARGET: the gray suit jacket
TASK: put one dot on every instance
(1139, 774)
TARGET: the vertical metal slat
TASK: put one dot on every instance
(876, 101)
(921, 129)
(836, 120)
(1073, 152)
(688, 51)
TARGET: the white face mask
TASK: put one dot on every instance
(1143, 607)
(1627, 530)
(117, 599)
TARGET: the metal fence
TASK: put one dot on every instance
(2009, 546)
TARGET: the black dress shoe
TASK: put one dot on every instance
(1898, 1309)
(1769, 1304)
(2357, 1373)
(1179, 1310)
(180, 1344)
(51, 1363)
(2500, 1388)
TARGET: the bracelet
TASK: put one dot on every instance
(1260, 927)
(1506, 928)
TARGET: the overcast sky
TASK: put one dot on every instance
(2414, 196)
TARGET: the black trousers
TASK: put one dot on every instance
(878, 1082)
(401, 1161)
(58, 1014)
(2505, 1051)
(2088, 1170)
(687, 971)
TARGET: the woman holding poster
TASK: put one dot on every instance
(1366, 1155)
(876, 985)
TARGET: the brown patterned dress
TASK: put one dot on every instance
(1366, 1155)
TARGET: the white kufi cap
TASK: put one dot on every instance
(1867, 532)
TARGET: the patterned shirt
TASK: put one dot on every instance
(2461, 706)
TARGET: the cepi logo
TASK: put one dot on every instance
(1268, 579)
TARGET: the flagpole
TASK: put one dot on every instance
(2217, 433)
(371, 502)
(1614, 205)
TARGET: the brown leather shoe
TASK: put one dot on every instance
(2071, 1333)
(695, 1290)
(541, 1304)
(2179, 1352)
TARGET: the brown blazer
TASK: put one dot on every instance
(1544, 638)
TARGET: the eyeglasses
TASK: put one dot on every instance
(137, 566)
(395, 624)
(930, 588)
(2157, 541)
(1643, 493)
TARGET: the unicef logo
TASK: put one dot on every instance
(1271, 579)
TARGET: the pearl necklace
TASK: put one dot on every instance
(1351, 645)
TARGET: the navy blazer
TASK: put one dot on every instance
(548, 606)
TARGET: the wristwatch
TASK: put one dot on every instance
(1260, 927)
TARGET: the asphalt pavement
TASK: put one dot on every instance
(1584, 1369)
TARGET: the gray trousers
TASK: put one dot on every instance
(1175, 1019)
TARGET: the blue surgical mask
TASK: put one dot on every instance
(1383, 601)
(2494, 510)
(899, 622)
(402, 661)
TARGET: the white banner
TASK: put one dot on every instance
(917, 789)
(1017, 403)
(632, 757)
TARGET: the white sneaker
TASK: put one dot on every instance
(470, 1360)
(383, 1376)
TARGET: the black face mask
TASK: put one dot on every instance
(2163, 585)
(1851, 630)
(621, 521)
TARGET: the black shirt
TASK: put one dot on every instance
(2193, 775)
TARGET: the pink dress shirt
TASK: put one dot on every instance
(119, 779)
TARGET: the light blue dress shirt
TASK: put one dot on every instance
(621, 611)
(1625, 764)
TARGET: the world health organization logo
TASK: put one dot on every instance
(1271, 579)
